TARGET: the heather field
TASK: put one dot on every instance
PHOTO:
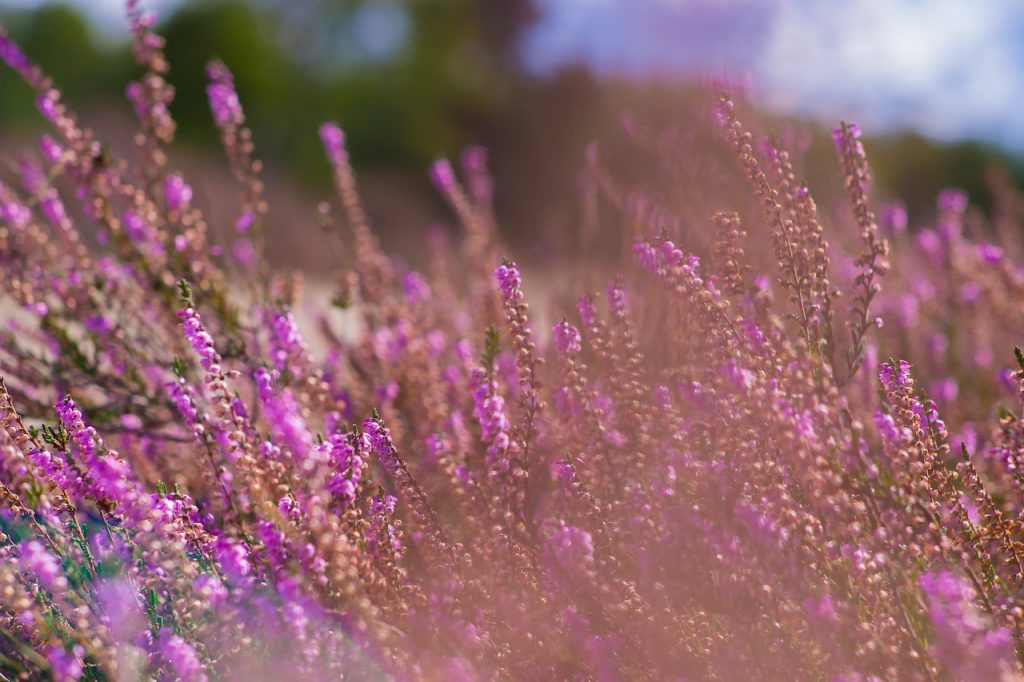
(765, 435)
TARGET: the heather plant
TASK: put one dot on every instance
(721, 466)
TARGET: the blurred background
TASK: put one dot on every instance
(936, 86)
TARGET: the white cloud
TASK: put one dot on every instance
(942, 67)
(947, 68)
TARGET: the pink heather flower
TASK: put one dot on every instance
(134, 226)
(416, 288)
(839, 136)
(181, 656)
(177, 192)
(442, 175)
(509, 280)
(83, 436)
(570, 547)
(945, 390)
(567, 338)
(201, 341)
(723, 111)
(930, 242)
(893, 218)
(137, 96)
(287, 342)
(183, 397)
(286, 422)
(894, 374)
(587, 311)
(474, 160)
(233, 558)
(38, 561)
(990, 253)
(243, 252)
(383, 505)
(66, 666)
(16, 214)
(970, 292)
(224, 102)
(333, 139)
(489, 410)
(245, 221)
(12, 54)
(967, 643)
(952, 200)
(53, 208)
(32, 177)
(47, 105)
(348, 455)
(50, 150)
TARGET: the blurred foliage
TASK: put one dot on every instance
(448, 77)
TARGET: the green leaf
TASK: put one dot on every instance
(342, 300)
(185, 291)
(1019, 354)
(492, 346)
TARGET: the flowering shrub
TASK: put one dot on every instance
(705, 473)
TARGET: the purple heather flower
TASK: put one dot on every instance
(821, 610)
(243, 252)
(723, 111)
(182, 396)
(233, 558)
(489, 409)
(893, 218)
(967, 644)
(201, 341)
(47, 105)
(567, 338)
(474, 160)
(287, 344)
(38, 561)
(416, 288)
(134, 226)
(245, 221)
(224, 102)
(286, 422)
(333, 139)
(930, 242)
(442, 175)
(990, 253)
(53, 208)
(839, 136)
(572, 547)
(894, 374)
(587, 311)
(945, 390)
(177, 192)
(16, 213)
(970, 292)
(952, 200)
(182, 658)
(50, 150)
(66, 666)
(509, 280)
(12, 54)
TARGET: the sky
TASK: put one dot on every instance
(950, 69)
